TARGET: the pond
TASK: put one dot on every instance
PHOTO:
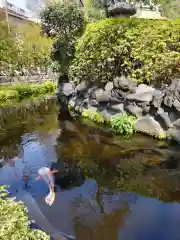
(107, 187)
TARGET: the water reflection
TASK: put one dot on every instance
(107, 188)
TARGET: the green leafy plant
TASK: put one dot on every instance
(123, 124)
(65, 23)
(93, 115)
(14, 220)
(144, 50)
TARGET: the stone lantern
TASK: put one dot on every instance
(121, 9)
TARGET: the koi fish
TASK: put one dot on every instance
(47, 175)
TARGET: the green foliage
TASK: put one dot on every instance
(18, 92)
(14, 222)
(65, 22)
(93, 11)
(34, 48)
(123, 124)
(169, 8)
(8, 49)
(144, 50)
(23, 49)
(8, 95)
(93, 115)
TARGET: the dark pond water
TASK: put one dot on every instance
(107, 187)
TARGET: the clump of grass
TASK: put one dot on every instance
(93, 115)
(18, 92)
(123, 124)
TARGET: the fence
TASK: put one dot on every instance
(40, 78)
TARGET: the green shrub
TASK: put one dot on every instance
(145, 50)
(8, 95)
(123, 124)
(18, 92)
(24, 90)
(93, 115)
(49, 86)
(14, 223)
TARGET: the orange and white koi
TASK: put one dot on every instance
(47, 175)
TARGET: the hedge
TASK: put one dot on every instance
(145, 50)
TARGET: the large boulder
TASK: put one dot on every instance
(81, 89)
(157, 98)
(118, 107)
(101, 96)
(140, 97)
(143, 88)
(148, 125)
(163, 118)
(109, 87)
(124, 84)
(66, 89)
(143, 93)
(133, 109)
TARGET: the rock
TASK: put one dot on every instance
(140, 97)
(90, 91)
(114, 99)
(172, 112)
(107, 114)
(168, 101)
(102, 96)
(145, 107)
(174, 131)
(148, 125)
(72, 103)
(124, 84)
(133, 109)
(157, 98)
(117, 9)
(94, 102)
(176, 104)
(176, 124)
(174, 134)
(109, 87)
(172, 94)
(66, 89)
(118, 107)
(163, 118)
(143, 88)
(117, 94)
(81, 87)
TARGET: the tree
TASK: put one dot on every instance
(169, 8)
(8, 50)
(34, 48)
(64, 22)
